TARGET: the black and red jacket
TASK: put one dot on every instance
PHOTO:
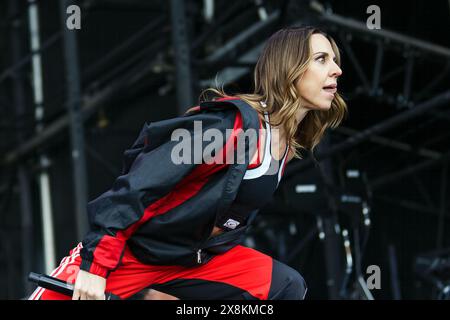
(165, 212)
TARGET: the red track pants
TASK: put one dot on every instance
(240, 273)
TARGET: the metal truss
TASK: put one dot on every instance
(236, 57)
(408, 48)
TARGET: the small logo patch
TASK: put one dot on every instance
(231, 224)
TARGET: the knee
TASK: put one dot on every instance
(299, 285)
(288, 283)
(296, 285)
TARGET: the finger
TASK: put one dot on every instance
(91, 295)
(100, 296)
(76, 295)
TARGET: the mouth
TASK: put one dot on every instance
(330, 89)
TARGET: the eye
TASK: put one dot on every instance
(321, 59)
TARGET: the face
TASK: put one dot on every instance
(318, 85)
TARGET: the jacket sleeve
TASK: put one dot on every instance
(149, 176)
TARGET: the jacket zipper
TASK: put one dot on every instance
(199, 256)
(199, 251)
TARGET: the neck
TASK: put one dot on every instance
(301, 114)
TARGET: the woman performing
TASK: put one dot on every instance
(178, 226)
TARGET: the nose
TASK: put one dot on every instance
(336, 71)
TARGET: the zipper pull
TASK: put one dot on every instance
(199, 256)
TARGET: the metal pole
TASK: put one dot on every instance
(43, 177)
(413, 207)
(394, 144)
(332, 250)
(22, 172)
(181, 54)
(377, 183)
(393, 270)
(91, 103)
(331, 241)
(444, 194)
(76, 121)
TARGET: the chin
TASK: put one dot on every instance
(322, 106)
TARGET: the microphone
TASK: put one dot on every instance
(60, 286)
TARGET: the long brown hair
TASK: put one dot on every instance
(283, 61)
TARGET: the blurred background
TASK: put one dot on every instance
(372, 221)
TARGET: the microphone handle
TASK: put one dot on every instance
(60, 286)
